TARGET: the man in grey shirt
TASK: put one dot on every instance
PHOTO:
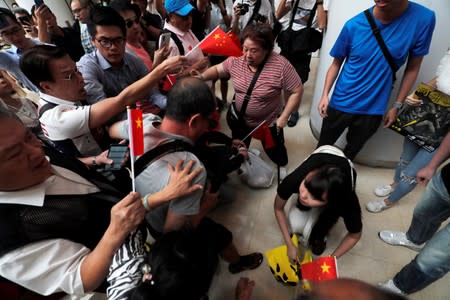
(109, 69)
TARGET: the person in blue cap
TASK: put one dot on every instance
(183, 41)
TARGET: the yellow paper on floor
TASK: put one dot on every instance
(279, 264)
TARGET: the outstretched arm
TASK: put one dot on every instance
(292, 250)
(347, 243)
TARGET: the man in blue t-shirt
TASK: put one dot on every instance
(364, 83)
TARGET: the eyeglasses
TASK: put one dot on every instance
(70, 76)
(13, 31)
(107, 43)
(78, 10)
(130, 22)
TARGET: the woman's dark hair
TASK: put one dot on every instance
(331, 181)
(189, 96)
(125, 5)
(34, 62)
(180, 269)
(259, 33)
(105, 16)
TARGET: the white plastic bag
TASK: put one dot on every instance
(255, 172)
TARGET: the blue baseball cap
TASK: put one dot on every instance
(180, 7)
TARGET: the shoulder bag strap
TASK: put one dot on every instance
(312, 15)
(148, 157)
(250, 89)
(384, 49)
(175, 38)
(294, 11)
(255, 12)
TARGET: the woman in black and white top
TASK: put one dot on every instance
(325, 179)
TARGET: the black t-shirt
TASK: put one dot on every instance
(350, 211)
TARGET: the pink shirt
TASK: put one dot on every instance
(142, 54)
(265, 102)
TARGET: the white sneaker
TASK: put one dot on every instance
(283, 173)
(398, 238)
(377, 206)
(383, 191)
(391, 287)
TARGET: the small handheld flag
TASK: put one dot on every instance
(136, 137)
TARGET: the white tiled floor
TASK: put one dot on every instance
(248, 213)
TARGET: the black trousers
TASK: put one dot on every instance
(301, 63)
(360, 129)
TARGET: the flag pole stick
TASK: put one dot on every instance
(130, 135)
(248, 135)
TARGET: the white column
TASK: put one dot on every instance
(384, 148)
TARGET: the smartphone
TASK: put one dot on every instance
(164, 39)
(38, 3)
(3, 21)
(24, 20)
(118, 153)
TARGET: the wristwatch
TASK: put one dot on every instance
(398, 105)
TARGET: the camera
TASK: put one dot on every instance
(243, 7)
(260, 18)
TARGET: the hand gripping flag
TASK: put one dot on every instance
(217, 42)
(322, 268)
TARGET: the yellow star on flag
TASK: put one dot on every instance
(138, 123)
(325, 268)
(217, 36)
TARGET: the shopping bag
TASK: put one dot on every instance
(255, 172)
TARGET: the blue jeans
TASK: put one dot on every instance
(412, 159)
(433, 261)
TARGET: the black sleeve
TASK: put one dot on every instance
(352, 215)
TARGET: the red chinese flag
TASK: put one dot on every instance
(136, 132)
(234, 38)
(322, 268)
(217, 42)
(263, 134)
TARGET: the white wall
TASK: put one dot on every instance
(384, 148)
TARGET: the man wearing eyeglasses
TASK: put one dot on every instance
(80, 10)
(109, 69)
(75, 128)
(12, 33)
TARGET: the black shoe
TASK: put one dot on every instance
(246, 262)
(293, 119)
(318, 246)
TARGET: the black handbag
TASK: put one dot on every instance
(304, 40)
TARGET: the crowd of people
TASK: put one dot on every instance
(76, 226)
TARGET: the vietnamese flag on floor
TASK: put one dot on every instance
(136, 131)
(322, 268)
(217, 42)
